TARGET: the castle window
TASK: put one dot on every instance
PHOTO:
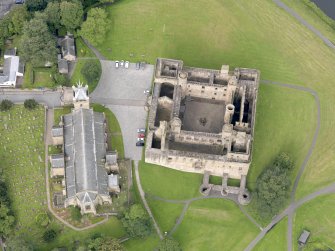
(213, 98)
(216, 88)
(225, 89)
(224, 95)
(214, 93)
(202, 91)
(190, 90)
(203, 87)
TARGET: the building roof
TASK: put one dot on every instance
(111, 158)
(10, 68)
(57, 131)
(85, 150)
(80, 92)
(10, 52)
(304, 237)
(68, 47)
(63, 66)
(57, 161)
(113, 180)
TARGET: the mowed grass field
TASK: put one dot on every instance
(318, 217)
(255, 34)
(275, 240)
(215, 225)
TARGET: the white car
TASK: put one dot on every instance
(121, 63)
(140, 130)
(126, 64)
(140, 139)
(146, 91)
(116, 64)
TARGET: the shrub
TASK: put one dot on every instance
(91, 71)
(49, 235)
(169, 244)
(30, 104)
(42, 219)
(6, 105)
(75, 213)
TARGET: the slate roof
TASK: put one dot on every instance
(11, 66)
(57, 161)
(85, 150)
(111, 158)
(57, 131)
(113, 180)
(63, 66)
(68, 47)
(304, 237)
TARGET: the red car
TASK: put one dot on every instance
(141, 135)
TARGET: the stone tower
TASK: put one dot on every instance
(80, 96)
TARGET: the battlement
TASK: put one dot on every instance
(202, 119)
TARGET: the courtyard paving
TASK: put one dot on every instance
(122, 91)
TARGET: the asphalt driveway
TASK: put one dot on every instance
(122, 91)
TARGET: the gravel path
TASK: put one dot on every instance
(304, 23)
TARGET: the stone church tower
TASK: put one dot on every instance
(80, 96)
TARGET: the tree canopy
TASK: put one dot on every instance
(272, 186)
(5, 105)
(91, 70)
(136, 222)
(71, 14)
(95, 27)
(169, 244)
(52, 12)
(105, 244)
(19, 15)
(38, 46)
(30, 104)
(35, 5)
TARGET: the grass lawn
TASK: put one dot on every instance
(259, 35)
(38, 77)
(22, 160)
(275, 240)
(149, 243)
(168, 183)
(114, 130)
(83, 50)
(318, 217)
(59, 112)
(215, 225)
(285, 122)
(77, 75)
(165, 213)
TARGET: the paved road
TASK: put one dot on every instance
(50, 98)
(5, 6)
(145, 203)
(304, 22)
(291, 208)
(122, 91)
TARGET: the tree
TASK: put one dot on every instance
(71, 14)
(95, 27)
(272, 186)
(60, 79)
(52, 12)
(49, 235)
(5, 105)
(19, 15)
(91, 71)
(30, 104)
(169, 244)
(136, 222)
(35, 5)
(17, 243)
(6, 219)
(105, 244)
(37, 44)
(6, 29)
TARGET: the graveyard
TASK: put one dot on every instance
(22, 160)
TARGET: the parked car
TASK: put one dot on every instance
(142, 65)
(137, 65)
(121, 63)
(140, 139)
(126, 64)
(141, 135)
(141, 130)
(116, 64)
(140, 143)
(19, 1)
(146, 91)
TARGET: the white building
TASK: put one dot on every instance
(11, 70)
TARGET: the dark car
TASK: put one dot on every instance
(19, 1)
(140, 143)
(138, 65)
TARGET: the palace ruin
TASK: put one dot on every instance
(202, 121)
